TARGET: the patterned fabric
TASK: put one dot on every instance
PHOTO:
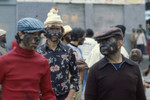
(76, 49)
(62, 61)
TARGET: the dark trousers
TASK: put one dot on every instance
(62, 97)
(141, 47)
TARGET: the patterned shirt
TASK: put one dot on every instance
(62, 61)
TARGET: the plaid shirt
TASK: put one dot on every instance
(62, 61)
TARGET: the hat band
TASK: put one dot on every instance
(24, 29)
(52, 22)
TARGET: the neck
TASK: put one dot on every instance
(65, 42)
(52, 45)
(115, 58)
(24, 47)
(74, 43)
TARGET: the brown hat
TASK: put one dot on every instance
(53, 18)
(107, 33)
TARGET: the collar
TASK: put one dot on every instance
(25, 52)
(59, 45)
(103, 62)
(73, 45)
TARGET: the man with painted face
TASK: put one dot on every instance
(66, 38)
(95, 55)
(3, 49)
(61, 58)
(114, 77)
(23, 72)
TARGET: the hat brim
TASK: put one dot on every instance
(34, 30)
(106, 37)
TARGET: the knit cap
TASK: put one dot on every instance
(53, 18)
(30, 25)
(2, 32)
(67, 29)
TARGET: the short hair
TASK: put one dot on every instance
(89, 32)
(139, 30)
(77, 33)
(118, 37)
(122, 27)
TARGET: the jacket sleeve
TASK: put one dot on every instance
(140, 93)
(91, 87)
(46, 86)
(74, 80)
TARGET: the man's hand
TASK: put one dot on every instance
(68, 98)
(70, 94)
(81, 65)
(146, 72)
(145, 84)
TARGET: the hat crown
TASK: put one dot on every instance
(107, 33)
(53, 17)
(30, 25)
(2, 32)
(67, 29)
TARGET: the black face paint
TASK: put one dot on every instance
(3, 39)
(54, 33)
(67, 39)
(27, 39)
(108, 48)
(37, 40)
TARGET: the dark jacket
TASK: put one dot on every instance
(106, 83)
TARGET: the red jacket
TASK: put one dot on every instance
(23, 73)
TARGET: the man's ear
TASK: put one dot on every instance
(120, 43)
(21, 35)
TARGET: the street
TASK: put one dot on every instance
(144, 64)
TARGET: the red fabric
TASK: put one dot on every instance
(22, 73)
(148, 47)
(14, 44)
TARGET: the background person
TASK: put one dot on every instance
(66, 38)
(132, 39)
(77, 38)
(136, 56)
(3, 48)
(141, 41)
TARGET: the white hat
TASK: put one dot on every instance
(67, 29)
(53, 18)
(2, 32)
